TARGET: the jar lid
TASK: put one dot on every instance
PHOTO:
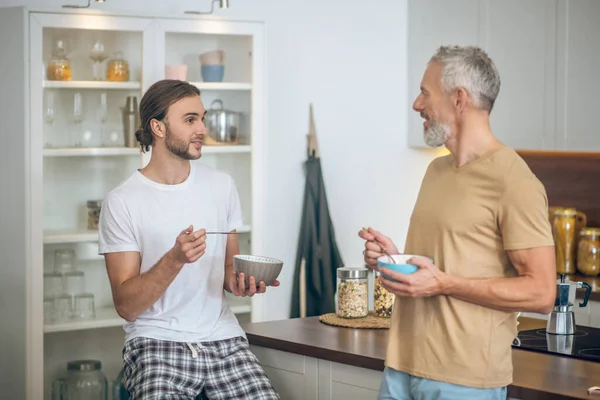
(94, 203)
(347, 272)
(590, 232)
(565, 211)
(84, 365)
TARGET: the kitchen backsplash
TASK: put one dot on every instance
(571, 180)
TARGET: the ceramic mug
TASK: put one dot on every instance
(176, 71)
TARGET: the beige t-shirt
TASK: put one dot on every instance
(465, 218)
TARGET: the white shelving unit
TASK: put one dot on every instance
(129, 151)
(105, 318)
(52, 174)
(92, 85)
(222, 86)
(92, 151)
(68, 236)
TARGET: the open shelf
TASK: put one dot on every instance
(91, 85)
(108, 317)
(222, 85)
(105, 318)
(70, 236)
(73, 236)
(215, 149)
(134, 151)
(92, 151)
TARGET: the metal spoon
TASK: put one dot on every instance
(383, 250)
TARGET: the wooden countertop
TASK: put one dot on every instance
(535, 376)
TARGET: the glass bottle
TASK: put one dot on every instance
(588, 252)
(117, 69)
(352, 292)
(59, 66)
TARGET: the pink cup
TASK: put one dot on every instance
(176, 71)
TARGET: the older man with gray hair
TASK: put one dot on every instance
(481, 221)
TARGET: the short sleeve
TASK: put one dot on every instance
(234, 209)
(523, 215)
(115, 228)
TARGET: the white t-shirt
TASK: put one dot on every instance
(145, 216)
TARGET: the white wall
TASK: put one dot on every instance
(347, 57)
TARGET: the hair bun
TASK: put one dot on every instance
(139, 135)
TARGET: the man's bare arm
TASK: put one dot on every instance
(133, 293)
(231, 249)
(533, 290)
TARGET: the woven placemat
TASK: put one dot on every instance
(369, 322)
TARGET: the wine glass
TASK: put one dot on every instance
(103, 110)
(49, 115)
(98, 55)
(77, 119)
(77, 108)
(49, 109)
(103, 114)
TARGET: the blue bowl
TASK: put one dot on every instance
(212, 73)
(400, 265)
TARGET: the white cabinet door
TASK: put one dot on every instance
(520, 36)
(345, 382)
(432, 23)
(296, 377)
(293, 376)
(578, 66)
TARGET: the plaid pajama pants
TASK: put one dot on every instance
(220, 370)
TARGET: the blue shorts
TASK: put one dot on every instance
(398, 385)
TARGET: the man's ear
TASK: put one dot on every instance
(461, 99)
(158, 128)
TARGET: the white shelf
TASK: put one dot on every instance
(70, 236)
(134, 151)
(92, 151)
(222, 85)
(216, 149)
(91, 85)
(105, 318)
(108, 318)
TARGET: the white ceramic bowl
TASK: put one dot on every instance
(261, 268)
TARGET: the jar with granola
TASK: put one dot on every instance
(352, 292)
(383, 300)
(588, 252)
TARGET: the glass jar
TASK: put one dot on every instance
(563, 230)
(59, 66)
(352, 292)
(588, 252)
(86, 381)
(383, 300)
(63, 260)
(93, 207)
(117, 69)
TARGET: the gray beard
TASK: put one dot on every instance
(437, 134)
